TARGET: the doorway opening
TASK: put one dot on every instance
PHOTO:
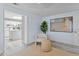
(12, 32)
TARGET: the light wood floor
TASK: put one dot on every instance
(36, 51)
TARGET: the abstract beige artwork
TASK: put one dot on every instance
(64, 24)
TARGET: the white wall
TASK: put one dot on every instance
(1, 28)
(33, 27)
(69, 38)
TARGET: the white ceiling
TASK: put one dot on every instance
(46, 9)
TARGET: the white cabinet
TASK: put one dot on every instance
(15, 35)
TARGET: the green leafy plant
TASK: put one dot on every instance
(44, 26)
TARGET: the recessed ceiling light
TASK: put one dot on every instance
(15, 3)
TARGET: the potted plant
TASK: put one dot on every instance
(45, 43)
(44, 26)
